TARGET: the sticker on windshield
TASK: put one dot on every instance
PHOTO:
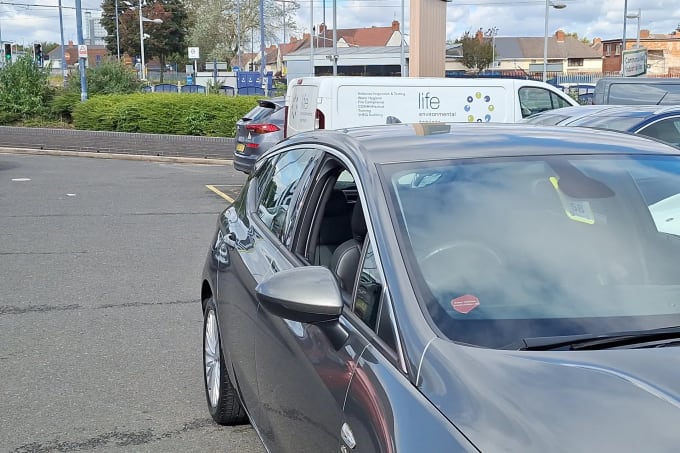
(577, 210)
(465, 304)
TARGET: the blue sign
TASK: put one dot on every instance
(236, 68)
(190, 80)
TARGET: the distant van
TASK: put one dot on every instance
(637, 91)
(339, 102)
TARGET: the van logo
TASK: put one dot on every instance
(305, 101)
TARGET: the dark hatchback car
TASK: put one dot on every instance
(662, 123)
(420, 288)
(257, 131)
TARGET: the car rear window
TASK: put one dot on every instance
(258, 114)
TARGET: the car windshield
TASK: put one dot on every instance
(504, 249)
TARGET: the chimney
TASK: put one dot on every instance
(70, 43)
(305, 36)
(293, 39)
(479, 36)
(596, 41)
(395, 25)
(322, 28)
(559, 36)
(644, 34)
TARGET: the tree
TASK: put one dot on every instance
(24, 90)
(584, 40)
(163, 39)
(477, 51)
(214, 25)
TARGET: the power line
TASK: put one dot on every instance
(35, 5)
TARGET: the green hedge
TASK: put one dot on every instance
(164, 113)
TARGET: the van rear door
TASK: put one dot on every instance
(301, 102)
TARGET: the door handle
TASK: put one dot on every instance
(230, 240)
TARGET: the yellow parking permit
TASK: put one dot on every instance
(577, 210)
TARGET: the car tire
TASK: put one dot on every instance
(223, 401)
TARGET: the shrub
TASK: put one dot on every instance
(164, 113)
(24, 90)
(63, 103)
(108, 77)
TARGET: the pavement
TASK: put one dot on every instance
(116, 145)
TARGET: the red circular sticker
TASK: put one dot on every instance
(465, 304)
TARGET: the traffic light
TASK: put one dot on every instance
(37, 53)
(8, 53)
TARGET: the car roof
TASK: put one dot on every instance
(644, 80)
(430, 141)
(570, 114)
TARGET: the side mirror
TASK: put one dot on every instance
(303, 294)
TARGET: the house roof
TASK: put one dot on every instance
(511, 48)
(362, 37)
(348, 51)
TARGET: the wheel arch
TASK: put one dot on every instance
(206, 293)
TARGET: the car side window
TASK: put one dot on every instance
(277, 183)
(534, 99)
(369, 290)
(667, 130)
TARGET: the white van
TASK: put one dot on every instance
(337, 102)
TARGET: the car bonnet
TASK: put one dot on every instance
(607, 400)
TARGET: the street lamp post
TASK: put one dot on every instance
(637, 16)
(142, 19)
(548, 4)
(117, 33)
(493, 31)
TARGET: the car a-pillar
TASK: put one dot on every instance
(427, 46)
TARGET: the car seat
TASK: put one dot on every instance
(345, 259)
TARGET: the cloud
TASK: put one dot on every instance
(513, 17)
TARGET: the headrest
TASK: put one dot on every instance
(359, 229)
(336, 204)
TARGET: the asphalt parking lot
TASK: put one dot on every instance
(100, 320)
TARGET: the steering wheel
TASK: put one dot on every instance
(461, 264)
(463, 246)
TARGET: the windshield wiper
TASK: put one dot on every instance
(600, 341)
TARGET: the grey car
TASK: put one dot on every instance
(257, 131)
(446, 288)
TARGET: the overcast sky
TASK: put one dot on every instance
(588, 18)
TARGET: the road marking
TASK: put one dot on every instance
(220, 193)
(20, 179)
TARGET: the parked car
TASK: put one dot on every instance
(637, 90)
(257, 131)
(433, 288)
(662, 123)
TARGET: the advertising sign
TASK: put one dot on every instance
(634, 62)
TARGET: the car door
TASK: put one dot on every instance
(252, 257)
(303, 373)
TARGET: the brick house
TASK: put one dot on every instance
(663, 52)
